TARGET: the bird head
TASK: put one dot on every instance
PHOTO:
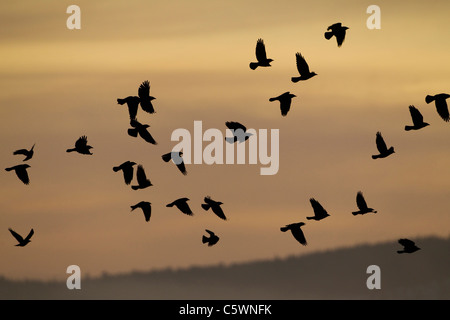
(152, 98)
(313, 74)
(269, 60)
(345, 28)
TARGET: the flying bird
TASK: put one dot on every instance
(21, 172)
(146, 209)
(303, 69)
(142, 180)
(141, 130)
(176, 156)
(239, 132)
(362, 205)
(182, 205)
(417, 119)
(319, 212)
(215, 207)
(81, 146)
(408, 246)
(144, 99)
(441, 104)
(285, 102)
(261, 56)
(296, 231)
(22, 242)
(127, 169)
(211, 240)
(27, 153)
(382, 148)
(338, 31)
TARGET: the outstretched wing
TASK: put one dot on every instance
(298, 235)
(16, 235)
(261, 50)
(406, 242)
(381, 145)
(360, 201)
(23, 175)
(21, 151)
(233, 125)
(140, 175)
(29, 235)
(442, 109)
(302, 65)
(144, 95)
(81, 142)
(416, 116)
(218, 211)
(317, 207)
(147, 136)
(210, 232)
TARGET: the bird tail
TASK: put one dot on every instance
(429, 99)
(170, 205)
(70, 150)
(133, 207)
(355, 213)
(205, 239)
(134, 187)
(309, 218)
(253, 65)
(115, 169)
(408, 128)
(205, 206)
(328, 35)
(133, 132)
(284, 229)
(400, 251)
(272, 99)
(166, 157)
(121, 101)
(375, 156)
(8, 169)
(295, 79)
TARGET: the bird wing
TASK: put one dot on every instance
(184, 207)
(16, 235)
(144, 90)
(260, 50)
(334, 26)
(381, 145)
(147, 136)
(340, 36)
(147, 209)
(133, 104)
(182, 167)
(21, 151)
(302, 65)
(218, 211)
(406, 242)
(210, 232)
(81, 142)
(233, 125)
(317, 207)
(442, 109)
(29, 235)
(298, 235)
(360, 201)
(23, 175)
(128, 174)
(140, 175)
(416, 116)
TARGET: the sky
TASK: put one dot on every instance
(59, 84)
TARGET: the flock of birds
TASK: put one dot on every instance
(144, 101)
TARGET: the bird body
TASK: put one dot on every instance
(81, 146)
(382, 148)
(408, 246)
(127, 169)
(239, 132)
(176, 156)
(182, 205)
(146, 209)
(338, 31)
(303, 69)
(22, 242)
(214, 206)
(27, 153)
(141, 130)
(144, 99)
(211, 240)
(296, 231)
(285, 102)
(21, 172)
(261, 56)
(319, 212)
(441, 104)
(362, 205)
(142, 180)
(417, 119)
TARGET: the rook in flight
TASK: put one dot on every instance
(261, 56)
(338, 31)
(296, 231)
(146, 209)
(22, 242)
(215, 207)
(303, 69)
(182, 205)
(285, 102)
(362, 205)
(81, 146)
(176, 156)
(144, 99)
(21, 172)
(142, 180)
(27, 153)
(141, 130)
(127, 169)
(239, 132)
(382, 148)
(408, 246)
(319, 212)
(441, 104)
(211, 240)
(417, 119)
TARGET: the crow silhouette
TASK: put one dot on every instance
(182, 205)
(27, 153)
(261, 56)
(417, 119)
(142, 180)
(382, 148)
(176, 157)
(285, 102)
(239, 132)
(408, 246)
(141, 130)
(21, 172)
(146, 209)
(441, 104)
(211, 240)
(338, 31)
(81, 146)
(22, 242)
(127, 169)
(215, 207)
(303, 69)
(144, 99)
(296, 231)
(319, 212)
(362, 205)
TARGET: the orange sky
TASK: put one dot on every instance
(58, 84)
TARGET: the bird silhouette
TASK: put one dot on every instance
(144, 99)
(141, 130)
(211, 240)
(303, 69)
(176, 157)
(382, 148)
(27, 153)
(296, 231)
(142, 180)
(81, 146)
(127, 169)
(21, 172)
(261, 56)
(338, 31)
(22, 242)
(215, 207)
(362, 205)
(182, 205)
(408, 246)
(319, 212)
(441, 104)
(146, 209)
(285, 102)
(239, 132)
(417, 119)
